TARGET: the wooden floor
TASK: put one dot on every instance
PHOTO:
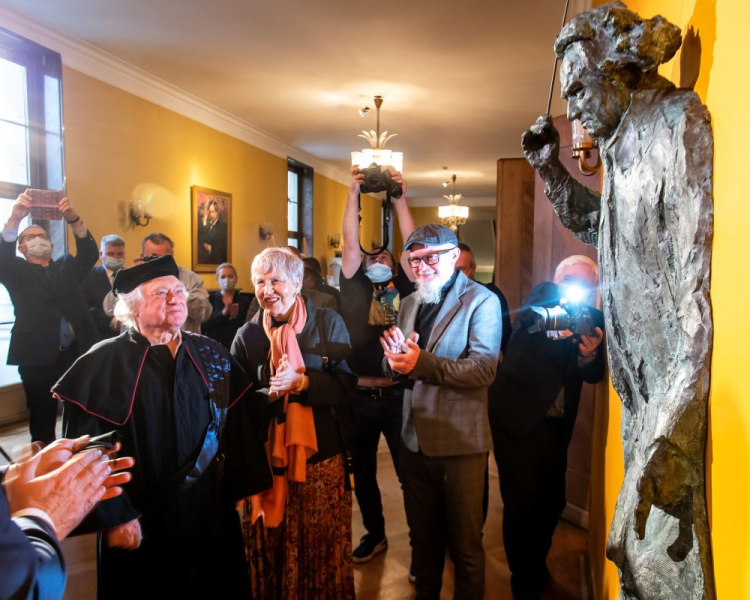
(386, 576)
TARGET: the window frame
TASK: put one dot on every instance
(305, 178)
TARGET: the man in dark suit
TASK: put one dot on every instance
(52, 324)
(532, 421)
(98, 283)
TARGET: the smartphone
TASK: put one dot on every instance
(45, 204)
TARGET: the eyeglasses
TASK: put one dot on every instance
(161, 294)
(30, 236)
(428, 259)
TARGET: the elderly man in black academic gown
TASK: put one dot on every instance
(184, 411)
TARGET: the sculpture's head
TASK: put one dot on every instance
(607, 53)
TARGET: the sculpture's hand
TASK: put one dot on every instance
(667, 482)
(541, 143)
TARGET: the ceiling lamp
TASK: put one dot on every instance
(377, 153)
(453, 214)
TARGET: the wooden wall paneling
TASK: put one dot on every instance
(553, 243)
(515, 235)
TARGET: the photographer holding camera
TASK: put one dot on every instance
(372, 289)
(532, 419)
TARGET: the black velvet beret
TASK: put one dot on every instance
(127, 280)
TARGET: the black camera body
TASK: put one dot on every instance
(379, 179)
(576, 317)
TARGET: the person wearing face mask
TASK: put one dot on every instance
(53, 325)
(372, 289)
(98, 283)
(229, 307)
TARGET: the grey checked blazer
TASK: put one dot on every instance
(448, 404)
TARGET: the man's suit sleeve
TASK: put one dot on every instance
(87, 253)
(10, 264)
(199, 307)
(478, 368)
(31, 561)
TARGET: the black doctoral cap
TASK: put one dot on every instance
(127, 280)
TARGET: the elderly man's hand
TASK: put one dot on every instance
(402, 353)
(66, 494)
(541, 143)
(127, 536)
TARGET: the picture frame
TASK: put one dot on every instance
(211, 225)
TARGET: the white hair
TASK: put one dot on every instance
(576, 259)
(127, 305)
(280, 260)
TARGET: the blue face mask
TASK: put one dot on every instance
(113, 264)
(379, 273)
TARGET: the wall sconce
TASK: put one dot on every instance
(582, 145)
(140, 212)
(265, 232)
(334, 241)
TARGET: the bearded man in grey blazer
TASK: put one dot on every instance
(446, 345)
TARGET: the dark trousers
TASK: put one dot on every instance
(443, 499)
(374, 414)
(532, 483)
(37, 383)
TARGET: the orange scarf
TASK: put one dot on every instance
(292, 442)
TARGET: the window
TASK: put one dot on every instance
(299, 206)
(31, 145)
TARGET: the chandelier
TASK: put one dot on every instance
(453, 214)
(377, 152)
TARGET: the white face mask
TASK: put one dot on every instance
(38, 247)
(113, 264)
(228, 283)
(378, 273)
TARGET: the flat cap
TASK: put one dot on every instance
(127, 280)
(431, 235)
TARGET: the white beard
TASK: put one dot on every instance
(428, 292)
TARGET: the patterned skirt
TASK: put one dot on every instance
(309, 556)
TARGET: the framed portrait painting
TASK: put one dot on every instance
(211, 228)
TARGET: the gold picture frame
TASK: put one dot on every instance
(211, 224)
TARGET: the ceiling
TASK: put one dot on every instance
(461, 81)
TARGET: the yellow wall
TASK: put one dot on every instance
(328, 210)
(119, 146)
(724, 87)
(422, 215)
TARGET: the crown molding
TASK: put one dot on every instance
(90, 60)
(470, 201)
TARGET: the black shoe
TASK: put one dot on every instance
(368, 548)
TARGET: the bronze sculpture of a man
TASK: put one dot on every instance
(653, 229)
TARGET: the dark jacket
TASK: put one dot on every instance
(220, 327)
(534, 370)
(95, 288)
(330, 391)
(41, 296)
(32, 564)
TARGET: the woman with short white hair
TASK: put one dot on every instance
(301, 548)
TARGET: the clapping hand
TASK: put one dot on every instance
(402, 353)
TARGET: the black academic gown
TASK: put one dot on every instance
(162, 407)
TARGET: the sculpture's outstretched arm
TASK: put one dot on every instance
(576, 206)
